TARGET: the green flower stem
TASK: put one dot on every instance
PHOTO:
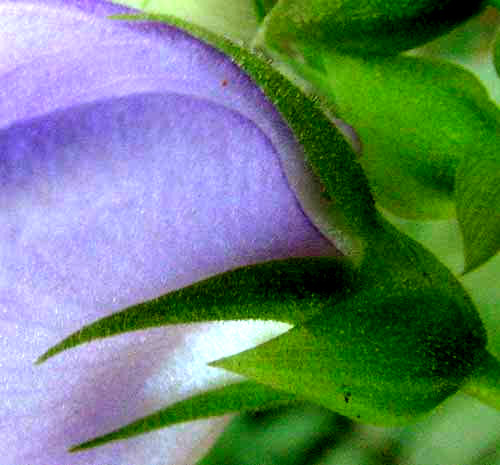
(484, 383)
(495, 4)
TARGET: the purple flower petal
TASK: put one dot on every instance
(134, 160)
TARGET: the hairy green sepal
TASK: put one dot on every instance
(240, 397)
(290, 291)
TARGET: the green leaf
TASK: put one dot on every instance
(478, 207)
(364, 27)
(417, 119)
(291, 290)
(376, 358)
(245, 396)
(345, 210)
(297, 434)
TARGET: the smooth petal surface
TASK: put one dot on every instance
(134, 160)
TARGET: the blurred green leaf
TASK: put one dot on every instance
(478, 206)
(298, 434)
(442, 237)
(364, 27)
(461, 432)
(376, 358)
(232, 398)
(417, 119)
(291, 290)
(370, 445)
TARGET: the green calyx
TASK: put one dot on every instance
(363, 27)
(384, 342)
(406, 338)
(377, 358)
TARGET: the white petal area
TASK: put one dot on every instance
(99, 387)
(109, 204)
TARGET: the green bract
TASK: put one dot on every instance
(363, 26)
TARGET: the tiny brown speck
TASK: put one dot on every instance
(224, 83)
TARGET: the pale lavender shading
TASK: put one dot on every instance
(133, 160)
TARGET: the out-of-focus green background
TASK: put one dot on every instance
(462, 431)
